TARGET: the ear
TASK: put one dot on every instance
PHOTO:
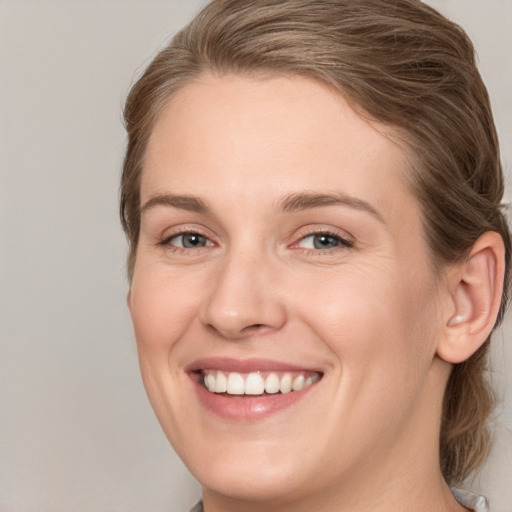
(476, 287)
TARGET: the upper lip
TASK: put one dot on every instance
(244, 365)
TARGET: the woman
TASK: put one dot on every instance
(318, 257)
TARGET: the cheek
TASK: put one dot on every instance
(160, 315)
(382, 336)
(160, 310)
(379, 318)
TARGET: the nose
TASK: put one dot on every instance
(244, 300)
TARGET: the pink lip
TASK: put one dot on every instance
(243, 365)
(244, 408)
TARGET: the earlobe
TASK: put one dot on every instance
(476, 287)
(128, 298)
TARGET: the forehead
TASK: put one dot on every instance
(237, 136)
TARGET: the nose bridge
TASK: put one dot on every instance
(243, 298)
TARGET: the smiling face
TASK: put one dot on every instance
(280, 248)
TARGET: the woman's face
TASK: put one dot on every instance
(280, 247)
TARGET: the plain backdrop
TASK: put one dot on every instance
(76, 431)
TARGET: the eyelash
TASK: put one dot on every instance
(344, 243)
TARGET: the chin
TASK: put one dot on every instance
(255, 482)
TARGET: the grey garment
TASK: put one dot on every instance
(467, 499)
(198, 507)
(471, 500)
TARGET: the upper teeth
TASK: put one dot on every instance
(257, 383)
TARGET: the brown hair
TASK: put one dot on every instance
(402, 64)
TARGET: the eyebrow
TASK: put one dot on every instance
(290, 203)
(307, 200)
(188, 203)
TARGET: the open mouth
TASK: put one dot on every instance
(256, 383)
(250, 390)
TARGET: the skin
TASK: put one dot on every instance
(369, 314)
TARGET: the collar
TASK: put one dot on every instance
(466, 498)
(471, 500)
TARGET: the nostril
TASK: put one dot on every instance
(255, 326)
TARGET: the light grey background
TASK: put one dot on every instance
(76, 431)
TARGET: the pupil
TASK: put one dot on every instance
(323, 241)
(193, 240)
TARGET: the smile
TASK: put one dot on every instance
(257, 382)
(250, 390)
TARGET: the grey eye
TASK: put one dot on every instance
(321, 241)
(325, 241)
(189, 240)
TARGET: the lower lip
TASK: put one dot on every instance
(246, 407)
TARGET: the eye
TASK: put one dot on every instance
(323, 241)
(188, 240)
